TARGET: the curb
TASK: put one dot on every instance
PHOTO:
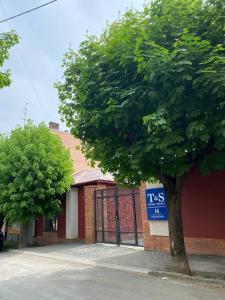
(199, 279)
(217, 283)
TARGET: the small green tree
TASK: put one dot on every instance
(35, 169)
(147, 98)
(7, 40)
(1, 214)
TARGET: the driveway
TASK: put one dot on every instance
(26, 276)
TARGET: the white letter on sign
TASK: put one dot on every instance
(151, 197)
(161, 197)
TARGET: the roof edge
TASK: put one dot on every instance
(93, 182)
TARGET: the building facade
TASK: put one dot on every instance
(203, 214)
(203, 209)
(71, 224)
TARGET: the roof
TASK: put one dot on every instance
(92, 176)
(80, 163)
(83, 171)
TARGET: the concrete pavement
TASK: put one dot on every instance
(29, 277)
(130, 257)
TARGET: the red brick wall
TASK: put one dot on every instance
(81, 213)
(89, 214)
(203, 201)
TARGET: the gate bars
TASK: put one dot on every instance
(118, 216)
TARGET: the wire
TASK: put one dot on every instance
(28, 11)
(23, 64)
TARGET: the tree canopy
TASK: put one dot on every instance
(35, 169)
(7, 40)
(147, 98)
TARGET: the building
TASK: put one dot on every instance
(70, 225)
(84, 218)
(203, 211)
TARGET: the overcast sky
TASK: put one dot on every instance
(45, 35)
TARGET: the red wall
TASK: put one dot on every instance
(39, 223)
(203, 205)
(81, 213)
(39, 226)
(61, 233)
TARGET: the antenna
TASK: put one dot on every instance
(25, 113)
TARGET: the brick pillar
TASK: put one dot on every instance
(90, 237)
(151, 242)
(90, 231)
(145, 223)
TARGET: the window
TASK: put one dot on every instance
(51, 223)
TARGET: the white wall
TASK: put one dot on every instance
(72, 214)
(159, 228)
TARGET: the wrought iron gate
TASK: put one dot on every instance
(118, 216)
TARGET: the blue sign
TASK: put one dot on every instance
(156, 204)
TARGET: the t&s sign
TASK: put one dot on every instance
(156, 204)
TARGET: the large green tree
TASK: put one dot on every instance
(147, 98)
(35, 169)
(7, 40)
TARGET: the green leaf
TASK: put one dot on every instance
(158, 100)
(35, 167)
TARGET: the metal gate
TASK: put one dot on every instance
(118, 217)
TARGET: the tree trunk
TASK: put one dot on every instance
(177, 247)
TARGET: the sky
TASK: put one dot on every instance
(45, 36)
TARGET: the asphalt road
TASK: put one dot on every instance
(29, 277)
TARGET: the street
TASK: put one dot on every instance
(24, 276)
